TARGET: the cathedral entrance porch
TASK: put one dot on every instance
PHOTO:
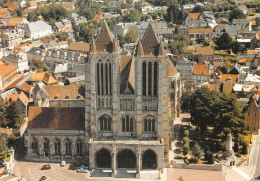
(125, 158)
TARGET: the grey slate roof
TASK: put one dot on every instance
(36, 26)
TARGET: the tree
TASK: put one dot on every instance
(185, 139)
(133, 16)
(175, 14)
(186, 148)
(2, 142)
(186, 133)
(39, 64)
(67, 82)
(236, 47)
(224, 41)
(244, 149)
(230, 117)
(202, 107)
(197, 9)
(131, 36)
(236, 147)
(86, 34)
(185, 101)
(236, 14)
(15, 116)
(211, 159)
(196, 151)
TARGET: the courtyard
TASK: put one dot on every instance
(31, 171)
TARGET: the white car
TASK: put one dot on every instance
(82, 170)
(63, 163)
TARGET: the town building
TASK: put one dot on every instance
(127, 121)
(8, 73)
(37, 29)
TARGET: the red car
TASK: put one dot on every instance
(46, 167)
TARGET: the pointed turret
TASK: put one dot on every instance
(140, 50)
(150, 42)
(93, 48)
(161, 50)
(104, 41)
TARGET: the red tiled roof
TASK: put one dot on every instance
(194, 16)
(200, 69)
(11, 6)
(56, 118)
(233, 77)
(205, 50)
(6, 69)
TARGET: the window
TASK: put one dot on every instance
(105, 122)
(79, 146)
(68, 146)
(57, 146)
(149, 124)
(127, 124)
(144, 78)
(247, 127)
(46, 144)
(34, 144)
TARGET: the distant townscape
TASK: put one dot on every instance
(129, 89)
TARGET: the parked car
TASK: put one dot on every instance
(63, 163)
(82, 170)
(46, 167)
(42, 178)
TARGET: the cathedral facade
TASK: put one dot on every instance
(130, 106)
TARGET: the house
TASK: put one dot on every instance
(33, 4)
(11, 6)
(20, 85)
(113, 4)
(8, 73)
(57, 96)
(205, 53)
(20, 99)
(242, 8)
(255, 41)
(252, 114)
(193, 16)
(44, 77)
(125, 11)
(232, 30)
(243, 24)
(10, 39)
(19, 60)
(196, 33)
(122, 28)
(200, 74)
(63, 26)
(80, 47)
(197, 23)
(220, 29)
(76, 19)
(222, 20)
(185, 68)
(37, 29)
(68, 5)
(245, 61)
(225, 87)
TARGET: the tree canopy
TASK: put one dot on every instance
(236, 14)
(218, 110)
(224, 41)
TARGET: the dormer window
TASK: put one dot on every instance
(67, 97)
(78, 97)
(56, 97)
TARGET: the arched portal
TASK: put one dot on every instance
(103, 159)
(126, 159)
(149, 160)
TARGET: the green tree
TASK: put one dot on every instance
(185, 100)
(236, 14)
(236, 47)
(197, 9)
(202, 107)
(245, 149)
(86, 34)
(2, 142)
(224, 41)
(236, 147)
(185, 139)
(39, 64)
(15, 116)
(196, 151)
(131, 36)
(186, 133)
(186, 148)
(211, 158)
(133, 16)
(175, 14)
(230, 117)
